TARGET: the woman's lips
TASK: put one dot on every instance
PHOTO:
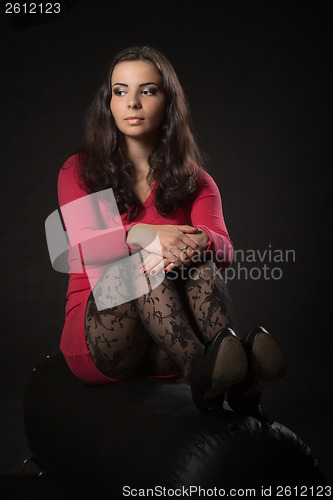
(134, 120)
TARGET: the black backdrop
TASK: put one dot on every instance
(256, 76)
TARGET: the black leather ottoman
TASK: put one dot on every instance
(102, 441)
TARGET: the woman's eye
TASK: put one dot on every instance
(149, 91)
(118, 92)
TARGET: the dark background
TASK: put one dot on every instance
(256, 76)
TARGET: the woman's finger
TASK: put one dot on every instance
(187, 240)
(182, 253)
(160, 267)
(150, 262)
(184, 228)
(168, 266)
(171, 267)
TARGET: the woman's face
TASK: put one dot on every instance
(138, 100)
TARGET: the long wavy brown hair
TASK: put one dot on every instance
(103, 162)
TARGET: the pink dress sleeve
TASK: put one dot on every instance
(86, 229)
(206, 213)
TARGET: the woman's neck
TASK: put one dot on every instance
(138, 152)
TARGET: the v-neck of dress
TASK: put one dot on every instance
(147, 200)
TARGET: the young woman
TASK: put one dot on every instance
(166, 211)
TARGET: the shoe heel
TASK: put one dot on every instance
(230, 366)
(266, 365)
(267, 362)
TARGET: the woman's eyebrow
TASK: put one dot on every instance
(141, 84)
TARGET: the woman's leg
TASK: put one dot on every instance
(162, 313)
(209, 304)
(117, 341)
(160, 362)
(208, 300)
(121, 340)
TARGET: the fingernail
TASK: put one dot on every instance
(153, 272)
(166, 271)
(143, 271)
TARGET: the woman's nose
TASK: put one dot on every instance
(134, 103)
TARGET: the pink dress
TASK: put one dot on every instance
(204, 212)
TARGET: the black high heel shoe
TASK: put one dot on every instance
(266, 365)
(224, 363)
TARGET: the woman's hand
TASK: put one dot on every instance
(165, 240)
(154, 264)
(196, 241)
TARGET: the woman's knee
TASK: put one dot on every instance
(202, 270)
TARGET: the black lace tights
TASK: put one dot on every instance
(160, 332)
